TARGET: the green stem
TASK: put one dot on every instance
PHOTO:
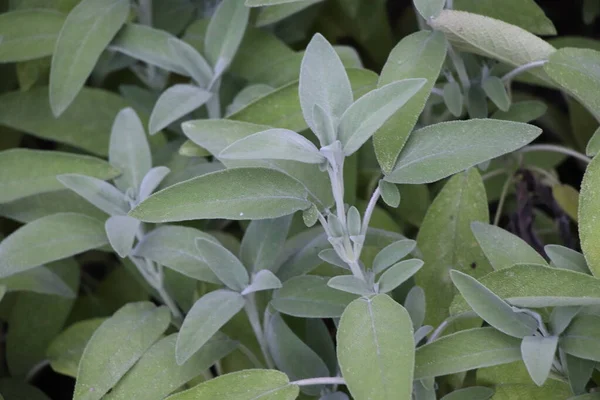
(254, 319)
(502, 199)
(523, 68)
(336, 380)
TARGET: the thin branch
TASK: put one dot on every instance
(369, 210)
(556, 149)
(502, 199)
(320, 381)
(523, 68)
(437, 91)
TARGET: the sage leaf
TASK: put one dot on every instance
(292, 355)
(174, 103)
(392, 253)
(309, 297)
(561, 317)
(263, 242)
(536, 286)
(175, 248)
(101, 194)
(15, 389)
(453, 98)
(151, 181)
(429, 8)
(243, 385)
(538, 354)
(29, 34)
(115, 347)
(241, 193)
(502, 248)
(398, 274)
(451, 245)
(477, 106)
(224, 33)
(470, 393)
(323, 81)
(389, 193)
(205, 318)
(350, 284)
(64, 352)
(156, 374)
(415, 305)
(580, 339)
(419, 55)
(223, 264)
(565, 258)
(278, 12)
(49, 239)
(121, 231)
(494, 88)
(330, 256)
(589, 203)
(191, 61)
(593, 146)
(275, 144)
(579, 372)
(493, 309)
(26, 172)
(574, 70)
(376, 349)
(262, 280)
(437, 151)
(367, 114)
(87, 31)
(40, 280)
(567, 198)
(522, 111)
(129, 150)
(464, 351)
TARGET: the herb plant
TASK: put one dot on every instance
(208, 200)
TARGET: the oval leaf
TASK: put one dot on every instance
(224, 264)
(538, 354)
(174, 103)
(101, 194)
(397, 274)
(589, 222)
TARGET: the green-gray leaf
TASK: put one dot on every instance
(582, 337)
(49, 239)
(205, 318)
(429, 8)
(440, 150)
(398, 274)
(263, 280)
(589, 206)
(241, 193)
(522, 111)
(565, 258)
(129, 150)
(502, 248)
(28, 34)
(174, 103)
(464, 351)
(263, 242)
(192, 61)
(376, 349)
(224, 33)
(99, 193)
(470, 393)
(121, 231)
(494, 88)
(538, 354)
(392, 254)
(116, 345)
(88, 29)
(25, 172)
(223, 264)
(250, 384)
(39, 280)
(156, 374)
(351, 284)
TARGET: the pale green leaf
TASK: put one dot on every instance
(531, 285)
(263, 242)
(86, 124)
(429, 8)
(367, 114)
(263, 280)
(49, 239)
(389, 193)
(561, 317)
(446, 241)
(589, 207)
(292, 355)
(87, 31)
(101, 194)
(522, 111)
(121, 231)
(582, 337)
(243, 193)
(273, 144)
(376, 349)
(392, 254)
(191, 61)
(323, 81)
(250, 384)
(576, 71)
(538, 354)
(492, 38)
(415, 304)
(151, 181)
(24, 172)
(156, 374)
(223, 264)
(275, 13)
(565, 258)
(440, 150)
(526, 14)
(129, 150)
(38, 280)
(579, 372)
(64, 352)
(470, 393)
(398, 274)
(29, 34)
(205, 318)
(330, 256)
(175, 248)
(351, 284)
(224, 33)
(502, 248)
(174, 103)
(116, 346)
(248, 95)
(494, 88)
(593, 146)
(453, 98)
(477, 106)
(464, 351)
(567, 198)
(419, 55)
(309, 297)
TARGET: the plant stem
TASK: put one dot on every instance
(169, 302)
(437, 91)
(493, 174)
(248, 353)
(523, 68)
(556, 149)
(544, 173)
(254, 319)
(336, 380)
(369, 211)
(502, 199)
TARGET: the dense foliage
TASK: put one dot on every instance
(312, 199)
